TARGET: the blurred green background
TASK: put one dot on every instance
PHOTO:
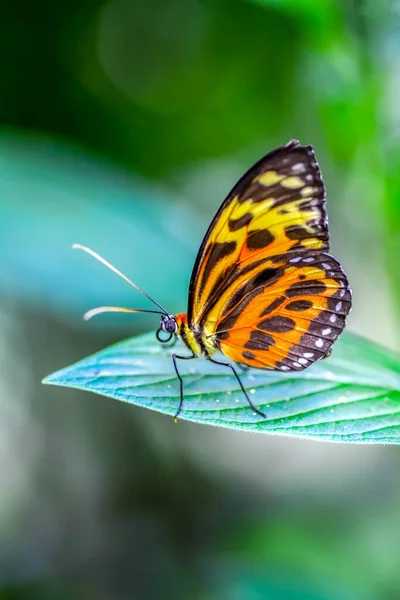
(123, 125)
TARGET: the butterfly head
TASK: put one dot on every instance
(169, 325)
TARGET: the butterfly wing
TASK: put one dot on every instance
(288, 321)
(276, 208)
(269, 234)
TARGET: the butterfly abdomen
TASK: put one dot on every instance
(195, 339)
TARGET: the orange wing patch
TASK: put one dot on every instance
(290, 323)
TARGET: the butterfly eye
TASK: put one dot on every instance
(167, 325)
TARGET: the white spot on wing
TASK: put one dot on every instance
(326, 266)
(296, 364)
(285, 368)
(308, 354)
(309, 259)
(303, 361)
(339, 306)
(319, 343)
(332, 318)
(295, 259)
(326, 331)
(298, 168)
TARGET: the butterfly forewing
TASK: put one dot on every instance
(263, 287)
(275, 209)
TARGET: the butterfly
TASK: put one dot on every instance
(264, 291)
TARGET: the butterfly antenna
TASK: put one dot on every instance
(112, 268)
(103, 309)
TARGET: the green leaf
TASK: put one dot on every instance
(354, 396)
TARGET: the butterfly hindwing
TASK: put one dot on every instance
(290, 323)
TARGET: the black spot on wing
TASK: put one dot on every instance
(277, 324)
(311, 287)
(273, 306)
(298, 305)
(236, 224)
(259, 239)
(266, 276)
(297, 232)
(259, 341)
(248, 355)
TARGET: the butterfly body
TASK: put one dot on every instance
(195, 338)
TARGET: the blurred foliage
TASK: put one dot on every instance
(84, 199)
(124, 124)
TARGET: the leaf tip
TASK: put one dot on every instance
(52, 378)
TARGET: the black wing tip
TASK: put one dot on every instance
(292, 144)
(309, 150)
(296, 145)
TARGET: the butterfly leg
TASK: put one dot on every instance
(174, 359)
(224, 364)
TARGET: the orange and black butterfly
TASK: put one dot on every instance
(264, 290)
